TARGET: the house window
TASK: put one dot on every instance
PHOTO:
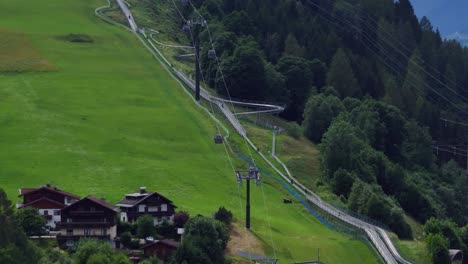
(46, 212)
(141, 208)
(87, 231)
(57, 212)
(69, 220)
(69, 232)
(163, 207)
(70, 243)
(104, 232)
(152, 209)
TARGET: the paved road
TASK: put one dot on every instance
(378, 236)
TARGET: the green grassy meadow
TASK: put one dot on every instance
(105, 119)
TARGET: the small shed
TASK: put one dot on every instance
(161, 249)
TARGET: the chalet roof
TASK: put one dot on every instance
(94, 200)
(137, 198)
(61, 205)
(169, 242)
(24, 191)
(101, 202)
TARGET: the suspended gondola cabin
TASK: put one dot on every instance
(218, 139)
(211, 54)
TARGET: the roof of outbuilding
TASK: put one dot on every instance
(169, 242)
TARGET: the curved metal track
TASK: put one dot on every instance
(377, 235)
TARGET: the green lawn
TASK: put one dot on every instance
(105, 119)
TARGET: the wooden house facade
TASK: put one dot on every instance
(88, 218)
(142, 203)
(161, 249)
(48, 200)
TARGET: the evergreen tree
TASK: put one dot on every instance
(414, 86)
(292, 47)
(341, 75)
(417, 147)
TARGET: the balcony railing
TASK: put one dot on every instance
(150, 213)
(60, 236)
(85, 212)
(86, 224)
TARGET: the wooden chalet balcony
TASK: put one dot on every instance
(85, 224)
(86, 213)
(159, 213)
(76, 237)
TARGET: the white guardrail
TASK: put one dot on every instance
(377, 235)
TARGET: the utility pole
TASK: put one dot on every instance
(193, 29)
(251, 174)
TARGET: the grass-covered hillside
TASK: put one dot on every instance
(85, 107)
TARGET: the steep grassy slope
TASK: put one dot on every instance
(109, 119)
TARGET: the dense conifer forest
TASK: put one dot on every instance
(378, 89)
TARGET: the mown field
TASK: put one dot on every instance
(101, 117)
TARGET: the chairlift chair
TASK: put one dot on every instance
(211, 54)
(218, 139)
(186, 29)
(239, 178)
